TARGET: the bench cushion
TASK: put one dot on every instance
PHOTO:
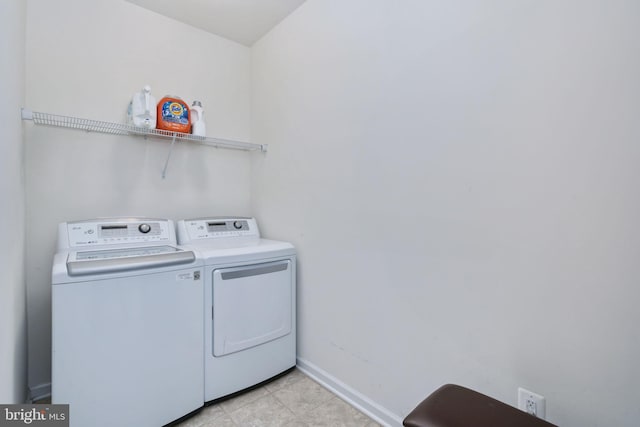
(455, 406)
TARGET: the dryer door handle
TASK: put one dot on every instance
(254, 270)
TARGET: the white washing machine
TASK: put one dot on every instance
(127, 323)
(249, 303)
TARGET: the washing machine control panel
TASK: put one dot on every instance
(94, 233)
(221, 228)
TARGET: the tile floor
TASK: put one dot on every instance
(294, 400)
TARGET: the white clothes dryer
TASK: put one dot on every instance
(249, 303)
(127, 333)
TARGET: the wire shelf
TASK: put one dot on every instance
(89, 125)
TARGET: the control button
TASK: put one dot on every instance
(237, 225)
(144, 228)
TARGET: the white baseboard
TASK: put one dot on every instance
(355, 398)
(40, 391)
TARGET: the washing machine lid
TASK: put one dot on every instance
(94, 262)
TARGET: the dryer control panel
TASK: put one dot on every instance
(217, 228)
(117, 232)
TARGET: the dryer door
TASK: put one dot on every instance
(251, 305)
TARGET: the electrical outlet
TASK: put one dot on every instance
(532, 403)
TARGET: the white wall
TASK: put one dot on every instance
(13, 317)
(461, 181)
(86, 59)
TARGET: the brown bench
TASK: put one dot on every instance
(455, 406)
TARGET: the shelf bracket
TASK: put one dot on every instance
(26, 114)
(166, 164)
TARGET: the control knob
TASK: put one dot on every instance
(144, 228)
(237, 225)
